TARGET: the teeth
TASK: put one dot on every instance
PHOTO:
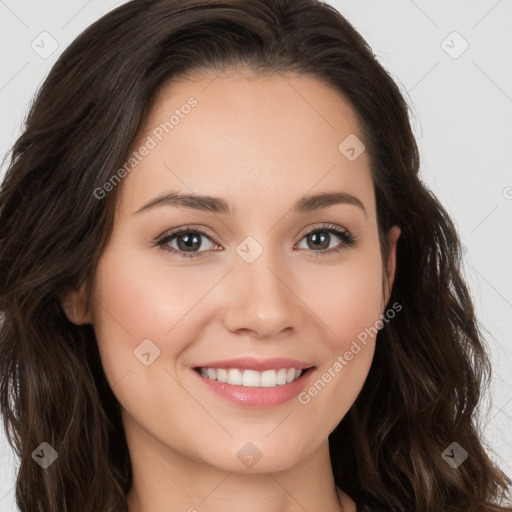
(252, 378)
(234, 377)
(281, 376)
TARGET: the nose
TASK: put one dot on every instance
(261, 302)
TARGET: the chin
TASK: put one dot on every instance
(257, 456)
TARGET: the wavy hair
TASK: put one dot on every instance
(430, 365)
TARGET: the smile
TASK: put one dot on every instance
(250, 382)
(252, 378)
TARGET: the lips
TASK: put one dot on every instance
(255, 382)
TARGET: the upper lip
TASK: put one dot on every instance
(252, 363)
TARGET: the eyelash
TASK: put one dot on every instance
(348, 240)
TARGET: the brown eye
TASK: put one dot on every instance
(188, 242)
(320, 239)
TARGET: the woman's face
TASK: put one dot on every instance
(256, 285)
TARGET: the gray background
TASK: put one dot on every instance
(462, 117)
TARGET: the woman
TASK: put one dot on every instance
(223, 284)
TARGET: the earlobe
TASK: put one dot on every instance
(74, 303)
(393, 235)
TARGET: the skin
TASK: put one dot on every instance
(259, 143)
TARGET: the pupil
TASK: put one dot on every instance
(190, 241)
(323, 238)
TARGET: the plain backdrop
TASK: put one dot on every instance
(453, 62)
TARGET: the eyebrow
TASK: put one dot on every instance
(305, 204)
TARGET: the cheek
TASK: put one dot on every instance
(347, 299)
(140, 297)
(138, 309)
(349, 307)
(131, 307)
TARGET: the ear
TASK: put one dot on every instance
(393, 235)
(74, 303)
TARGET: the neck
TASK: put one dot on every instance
(164, 477)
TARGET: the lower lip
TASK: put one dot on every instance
(262, 397)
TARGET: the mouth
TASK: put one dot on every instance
(249, 387)
(253, 378)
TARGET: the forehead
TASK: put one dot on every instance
(238, 134)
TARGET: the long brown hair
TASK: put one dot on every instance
(430, 366)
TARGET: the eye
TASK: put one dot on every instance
(322, 236)
(188, 240)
